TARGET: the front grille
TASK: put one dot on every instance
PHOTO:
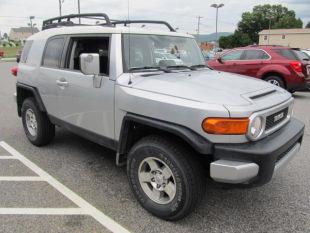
(276, 118)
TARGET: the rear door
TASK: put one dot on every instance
(50, 72)
(251, 62)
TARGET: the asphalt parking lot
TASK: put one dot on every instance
(73, 185)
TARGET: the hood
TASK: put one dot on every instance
(208, 86)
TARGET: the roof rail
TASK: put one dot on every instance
(126, 22)
(65, 20)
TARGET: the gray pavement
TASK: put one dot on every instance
(283, 205)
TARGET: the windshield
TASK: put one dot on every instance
(143, 51)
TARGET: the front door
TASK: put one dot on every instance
(81, 101)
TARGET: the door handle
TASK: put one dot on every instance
(62, 83)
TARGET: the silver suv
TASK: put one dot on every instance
(173, 124)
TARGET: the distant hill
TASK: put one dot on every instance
(211, 37)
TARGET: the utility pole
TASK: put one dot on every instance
(217, 6)
(269, 31)
(60, 6)
(198, 27)
(79, 10)
(31, 24)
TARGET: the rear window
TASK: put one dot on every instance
(26, 50)
(53, 52)
(287, 53)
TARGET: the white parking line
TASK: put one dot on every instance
(42, 211)
(7, 157)
(21, 178)
(84, 205)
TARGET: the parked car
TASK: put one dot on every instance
(306, 51)
(1, 54)
(172, 126)
(166, 57)
(282, 66)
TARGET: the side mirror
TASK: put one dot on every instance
(90, 63)
(220, 60)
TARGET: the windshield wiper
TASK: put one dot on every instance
(199, 66)
(181, 67)
(148, 68)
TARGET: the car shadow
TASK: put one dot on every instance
(222, 209)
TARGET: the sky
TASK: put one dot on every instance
(181, 14)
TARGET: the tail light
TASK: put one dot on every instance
(297, 66)
(14, 71)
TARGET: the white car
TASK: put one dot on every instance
(167, 57)
(306, 51)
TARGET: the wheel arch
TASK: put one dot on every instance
(24, 91)
(134, 127)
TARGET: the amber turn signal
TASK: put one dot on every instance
(228, 126)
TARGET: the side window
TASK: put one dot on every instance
(99, 45)
(235, 55)
(53, 51)
(255, 55)
(26, 50)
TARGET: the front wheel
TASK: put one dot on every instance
(165, 176)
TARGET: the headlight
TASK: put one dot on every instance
(256, 128)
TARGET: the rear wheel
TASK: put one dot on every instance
(275, 80)
(165, 177)
(38, 129)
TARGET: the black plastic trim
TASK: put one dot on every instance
(265, 152)
(200, 144)
(35, 93)
(94, 137)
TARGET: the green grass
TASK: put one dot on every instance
(10, 52)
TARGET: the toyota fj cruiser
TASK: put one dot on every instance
(173, 124)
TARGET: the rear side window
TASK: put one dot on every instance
(26, 50)
(287, 53)
(255, 55)
(235, 55)
(53, 52)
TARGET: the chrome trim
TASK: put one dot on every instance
(287, 158)
(264, 114)
(233, 172)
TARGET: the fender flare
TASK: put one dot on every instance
(196, 141)
(283, 71)
(20, 98)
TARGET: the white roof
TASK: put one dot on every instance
(45, 34)
(285, 31)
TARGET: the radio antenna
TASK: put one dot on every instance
(129, 45)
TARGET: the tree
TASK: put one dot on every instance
(308, 25)
(236, 40)
(263, 16)
(5, 36)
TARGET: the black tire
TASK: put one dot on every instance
(185, 167)
(277, 80)
(45, 129)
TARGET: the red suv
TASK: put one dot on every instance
(1, 54)
(282, 66)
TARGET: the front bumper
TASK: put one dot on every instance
(255, 162)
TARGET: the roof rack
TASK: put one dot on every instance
(66, 20)
(126, 22)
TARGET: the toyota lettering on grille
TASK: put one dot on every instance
(278, 117)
